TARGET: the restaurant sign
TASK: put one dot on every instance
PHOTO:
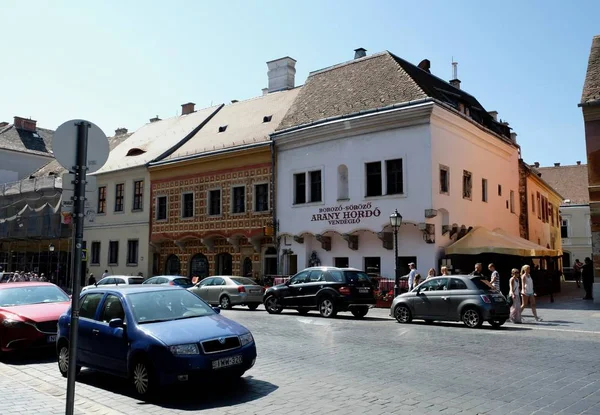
(342, 215)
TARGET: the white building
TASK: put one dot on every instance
(118, 239)
(377, 134)
(575, 228)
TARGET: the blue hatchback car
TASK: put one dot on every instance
(155, 336)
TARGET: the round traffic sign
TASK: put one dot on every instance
(64, 145)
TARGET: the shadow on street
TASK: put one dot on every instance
(29, 357)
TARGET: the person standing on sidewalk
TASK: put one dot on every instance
(477, 271)
(588, 278)
(411, 276)
(577, 269)
(495, 277)
(515, 295)
(527, 291)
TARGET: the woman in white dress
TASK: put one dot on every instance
(527, 291)
(515, 295)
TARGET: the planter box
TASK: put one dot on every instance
(383, 304)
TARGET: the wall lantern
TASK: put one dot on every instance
(51, 248)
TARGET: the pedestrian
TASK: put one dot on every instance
(445, 271)
(515, 295)
(577, 270)
(417, 279)
(92, 279)
(588, 278)
(477, 271)
(430, 274)
(527, 291)
(105, 273)
(495, 277)
(411, 276)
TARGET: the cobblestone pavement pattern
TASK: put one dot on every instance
(308, 365)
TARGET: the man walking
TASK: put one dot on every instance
(577, 268)
(411, 276)
(495, 277)
(105, 273)
(588, 278)
(477, 271)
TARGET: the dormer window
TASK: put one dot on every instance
(135, 152)
(222, 128)
(267, 118)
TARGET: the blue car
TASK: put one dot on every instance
(155, 336)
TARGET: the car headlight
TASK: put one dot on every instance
(13, 324)
(246, 339)
(184, 349)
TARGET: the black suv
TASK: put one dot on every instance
(327, 289)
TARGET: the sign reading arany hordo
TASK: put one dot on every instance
(342, 215)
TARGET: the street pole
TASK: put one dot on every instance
(78, 209)
(397, 270)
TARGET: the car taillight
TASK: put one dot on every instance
(344, 290)
(486, 299)
(241, 289)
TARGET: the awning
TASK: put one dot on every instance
(481, 240)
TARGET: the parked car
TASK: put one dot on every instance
(155, 336)
(327, 289)
(29, 313)
(465, 298)
(114, 280)
(183, 282)
(227, 291)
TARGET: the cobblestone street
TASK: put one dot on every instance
(372, 366)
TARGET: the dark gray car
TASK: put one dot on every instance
(465, 298)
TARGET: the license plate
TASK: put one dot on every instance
(227, 361)
(51, 339)
(499, 299)
(254, 291)
(363, 290)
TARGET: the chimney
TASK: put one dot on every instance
(556, 164)
(187, 108)
(233, 101)
(513, 137)
(26, 124)
(455, 82)
(536, 164)
(120, 131)
(494, 115)
(265, 91)
(579, 163)
(425, 65)
(282, 74)
(155, 119)
(3, 124)
(360, 53)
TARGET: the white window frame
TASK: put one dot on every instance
(254, 198)
(569, 230)
(511, 201)
(166, 208)
(232, 200)
(484, 190)
(384, 178)
(182, 195)
(462, 178)
(133, 194)
(92, 263)
(122, 211)
(447, 170)
(208, 204)
(105, 199)
(307, 187)
(133, 264)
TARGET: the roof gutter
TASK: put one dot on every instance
(589, 104)
(209, 154)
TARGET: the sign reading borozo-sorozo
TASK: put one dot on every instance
(342, 215)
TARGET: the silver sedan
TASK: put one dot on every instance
(227, 291)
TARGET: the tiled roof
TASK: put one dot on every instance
(570, 181)
(374, 82)
(591, 87)
(39, 142)
(238, 124)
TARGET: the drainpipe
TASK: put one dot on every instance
(274, 204)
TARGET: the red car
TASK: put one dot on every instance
(29, 313)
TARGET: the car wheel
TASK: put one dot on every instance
(472, 318)
(63, 360)
(252, 306)
(327, 307)
(402, 314)
(273, 305)
(225, 302)
(303, 311)
(497, 323)
(360, 312)
(142, 378)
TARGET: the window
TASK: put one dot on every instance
(102, 199)
(456, 284)
(467, 185)
(89, 305)
(132, 251)
(261, 197)
(113, 252)
(341, 262)
(343, 193)
(238, 199)
(532, 202)
(395, 182)
(119, 195)
(499, 190)
(299, 188)
(544, 209)
(214, 202)
(374, 179)
(539, 205)
(512, 201)
(551, 214)
(315, 186)
(161, 208)
(444, 179)
(222, 128)
(373, 265)
(112, 309)
(300, 278)
(484, 187)
(564, 228)
(438, 284)
(138, 195)
(267, 118)
(187, 205)
(95, 259)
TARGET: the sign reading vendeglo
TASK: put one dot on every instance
(342, 215)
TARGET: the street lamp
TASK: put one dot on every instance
(50, 249)
(396, 222)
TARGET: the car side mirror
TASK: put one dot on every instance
(116, 323)
(217, 310)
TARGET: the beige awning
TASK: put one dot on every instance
(481, 240)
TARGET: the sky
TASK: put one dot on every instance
(120, 63)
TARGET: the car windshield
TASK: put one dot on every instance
(243, 281)
(355, 276)
(32, 295)
(183, 282)
(483, 284)
(167, 305)
(136, 280)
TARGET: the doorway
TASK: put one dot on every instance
(224, 264)
(403, 262)
(199, 267)
(270, 261)
(173, 265)
(247, 268)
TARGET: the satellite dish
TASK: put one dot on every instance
(64, 146)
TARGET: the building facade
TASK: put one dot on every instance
(348, 157)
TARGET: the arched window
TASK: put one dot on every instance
(343, 182)
(223, 264)
(173, 265)
(247, 268)
(199, 267)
